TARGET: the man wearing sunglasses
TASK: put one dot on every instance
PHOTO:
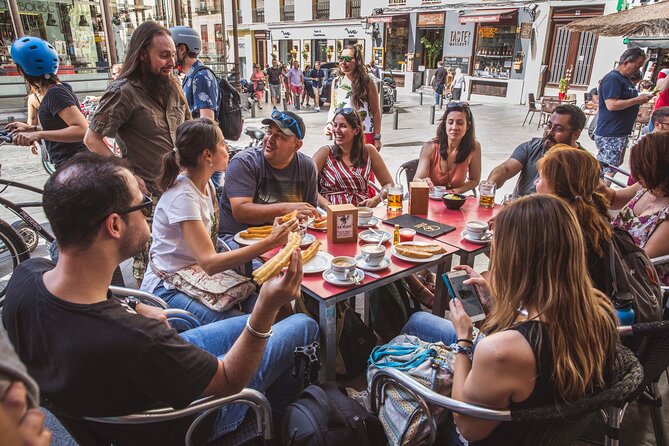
(97, 355)
(563, 127)
(270, 181)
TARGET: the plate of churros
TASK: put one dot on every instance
(319, 224)
(418, 252)
(252, 235)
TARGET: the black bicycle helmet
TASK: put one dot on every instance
(188, 36)
(35, 56)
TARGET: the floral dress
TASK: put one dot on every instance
(641, 228)
(342, 99)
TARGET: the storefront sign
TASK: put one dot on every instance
(451, 63)
(491, 16)
(44, 7)
(460, 38)
(432, 20)
(488, 31)
(385, 19)
(525, 30)
(326, 32)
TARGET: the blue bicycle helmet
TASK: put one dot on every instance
(35, 56)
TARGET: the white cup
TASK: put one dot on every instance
(364, 215)
(343, 267)
(373, 254)
(476, 229)
(439, 191)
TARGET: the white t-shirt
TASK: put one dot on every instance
(169, 251)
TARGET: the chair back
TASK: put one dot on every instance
(652, 348)
(548, 106)
(408, 169)
(531, 102)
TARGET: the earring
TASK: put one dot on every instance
(211, 164)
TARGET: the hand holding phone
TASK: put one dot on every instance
(467, 294)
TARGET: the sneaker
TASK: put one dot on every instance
(317, 109)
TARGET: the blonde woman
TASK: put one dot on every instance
(560, 351)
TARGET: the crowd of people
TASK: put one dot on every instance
(93, 354)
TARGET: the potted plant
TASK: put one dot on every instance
(433, 50)
(330, 52)
(563, 86)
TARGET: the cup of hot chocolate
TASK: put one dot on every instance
(364, 215)
(476, 229)
(373, 254)
(343, 267)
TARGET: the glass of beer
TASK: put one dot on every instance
(395, 195)
(487, 191)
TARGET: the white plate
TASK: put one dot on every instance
(484, 241)
(369, 237)
(324, 228)
(412, 259)
(437, 196)
(319, 263)
(245, 241)
(372, 222)
(330, 278)
(385, 263)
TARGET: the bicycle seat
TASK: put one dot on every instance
(254, 133)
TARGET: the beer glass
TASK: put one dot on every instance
(395, 195)
(487, 191)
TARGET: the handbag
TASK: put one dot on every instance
(219, 292)
(431, 365)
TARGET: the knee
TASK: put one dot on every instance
(305, 326)
(418, 320)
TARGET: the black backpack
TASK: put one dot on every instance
(390, 307)
(634, 278)
(324, 415)
(229, 115)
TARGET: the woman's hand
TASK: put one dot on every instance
(19, 127)
(429, 182)
(371, 202)
(480, 283)
(464, 328)
(328, 129)
(280, 231)
(26, 139)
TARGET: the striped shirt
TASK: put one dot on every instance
(341, 184)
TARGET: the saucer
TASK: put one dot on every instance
(356, 279)
(437, 196)
(319, 263)
(483, 241)
(372, 222)
(369, 237)
(385, 263)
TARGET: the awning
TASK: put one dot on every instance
(487, 16)
(648, 42)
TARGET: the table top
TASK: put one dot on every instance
(471, 210)
(318, 287)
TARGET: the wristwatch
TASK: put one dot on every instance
(132, 302)
(377, 137)
(457, 348)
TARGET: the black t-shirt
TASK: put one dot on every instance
(102, 359)
(274, 76)
(56, 99)
(440, 76)
(319, 75)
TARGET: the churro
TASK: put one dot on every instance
(254, 235)
(311, 251)
(279, 261)
(257, 229)
(289, 217)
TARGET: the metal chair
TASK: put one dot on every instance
(652, 350)
(408, 169)
(531, 108)
(557, 424)
(548, 106)
(200, 409)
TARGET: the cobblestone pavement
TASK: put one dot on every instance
(498, 129)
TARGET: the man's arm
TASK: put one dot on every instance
(245, 211)
(505, 171)
(95, 144)
(207, 113)
(613, 104)
(239, 365)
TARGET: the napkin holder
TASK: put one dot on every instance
(342, 223)
(419, 196)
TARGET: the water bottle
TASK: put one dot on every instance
(624, 311)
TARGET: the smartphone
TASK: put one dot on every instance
(467, 294)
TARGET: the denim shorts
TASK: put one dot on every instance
(611, 149)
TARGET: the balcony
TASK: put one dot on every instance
(288, 13)
(258, 15)
(321, 10)
(353, 9)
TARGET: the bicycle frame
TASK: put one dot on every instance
(18, 208)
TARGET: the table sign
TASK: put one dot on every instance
(419, 197)
(423, 226)
(342, 223)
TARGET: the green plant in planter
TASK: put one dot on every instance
(563, 85)
(433, 50)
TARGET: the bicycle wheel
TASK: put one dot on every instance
(13, 250)
(45, 158)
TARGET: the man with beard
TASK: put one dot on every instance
(95, 354)
(142, 110)
(270, 181)
(563, 127)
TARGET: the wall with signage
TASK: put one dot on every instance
(459, 38)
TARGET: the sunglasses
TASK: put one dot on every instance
(347, 111)
(288, 121)
(460, 104)
(146, 206)
(347, 59)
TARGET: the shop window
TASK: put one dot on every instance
(397, 42)
(320, 9)
(258, 11)
(287, 10)
(493, 57)
(353, 9)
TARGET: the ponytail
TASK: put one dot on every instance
(169, 169)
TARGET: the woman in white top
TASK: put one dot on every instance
(458, 84)
(185, 222)
(354, 88)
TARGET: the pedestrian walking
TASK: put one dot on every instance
(274, 78)
(458, 85)
(286, 84)
(439, 81)
(259, 81)
(296, 81)
(316, 75)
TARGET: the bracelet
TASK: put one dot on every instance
(457, 348)
(258, 334)
(469, 341)
(377, 137)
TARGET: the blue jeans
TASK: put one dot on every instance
(229, 240)
(273, 376)
(217, 179)
(176, 299)
(430, 328)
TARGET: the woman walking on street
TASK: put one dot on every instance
(259, 81)
(354, 88)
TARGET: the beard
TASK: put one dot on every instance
(160, 87)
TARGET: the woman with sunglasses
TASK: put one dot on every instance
(346, 166)
(259, 81)
(354, 88)
(453, 158)
(185, 223)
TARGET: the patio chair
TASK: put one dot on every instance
(258, 427)
(553, 425)
(408, 169)
(616, 170)
(652, 340)
(548, 106)
(531, 108)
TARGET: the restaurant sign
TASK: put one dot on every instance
(431, 20)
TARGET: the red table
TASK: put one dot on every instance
(328, 295)
(467, 251)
